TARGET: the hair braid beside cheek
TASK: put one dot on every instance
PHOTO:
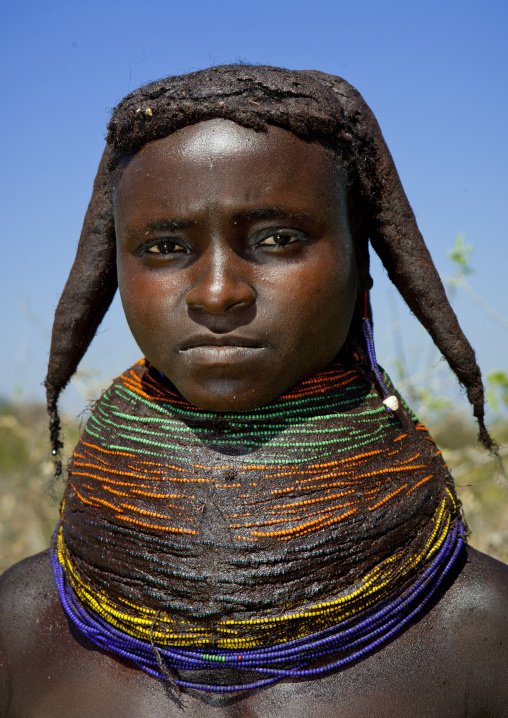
(312, 105)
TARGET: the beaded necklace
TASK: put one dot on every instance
(314, 527)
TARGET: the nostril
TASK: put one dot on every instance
(218, 299)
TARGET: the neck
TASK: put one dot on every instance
(229, 530)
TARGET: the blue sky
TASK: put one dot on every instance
(434, 74)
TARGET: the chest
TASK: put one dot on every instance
(399, 682)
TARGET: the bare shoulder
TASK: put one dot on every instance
(478, 601)
(29, 614)
(483, 586)
(26, 591)
(474, 614)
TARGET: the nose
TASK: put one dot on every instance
(220, 282)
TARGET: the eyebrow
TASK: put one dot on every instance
(269, 213)
(168, 225)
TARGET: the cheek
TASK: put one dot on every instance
(324, 295)
(134, 295)
(146, 302)
(310, 312)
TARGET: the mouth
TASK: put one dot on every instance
(221, 350)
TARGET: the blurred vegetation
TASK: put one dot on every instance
(481, 483)
(29, 500)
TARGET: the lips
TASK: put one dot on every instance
(220, 340)
(221, 350)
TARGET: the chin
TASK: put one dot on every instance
(227, 396)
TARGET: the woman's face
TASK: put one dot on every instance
(236, 266)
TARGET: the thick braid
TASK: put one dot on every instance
(85, 299)
(398, 242)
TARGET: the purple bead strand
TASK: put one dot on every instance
(371, 351)
(301, 652)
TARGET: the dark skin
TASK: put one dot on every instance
(250, 291)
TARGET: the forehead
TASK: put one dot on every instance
(222, 161)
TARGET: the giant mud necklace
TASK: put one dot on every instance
(286, 541)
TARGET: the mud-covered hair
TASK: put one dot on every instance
(312, 105)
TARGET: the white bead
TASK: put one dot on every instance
(391, 402)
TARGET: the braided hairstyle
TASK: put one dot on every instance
(313, 106)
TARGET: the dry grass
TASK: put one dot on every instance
(28, 512)
(481, 485)
(29, 504)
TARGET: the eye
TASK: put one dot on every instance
(165, 246)
(280, 239)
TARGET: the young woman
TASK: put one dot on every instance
(254, 521)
